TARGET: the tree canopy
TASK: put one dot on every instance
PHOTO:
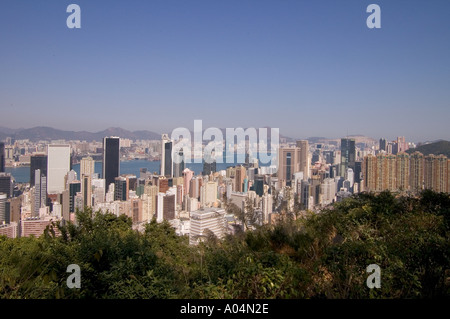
(318, 255)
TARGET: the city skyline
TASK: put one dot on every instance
(309, 68)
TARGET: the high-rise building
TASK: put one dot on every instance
(436, 174)
(58, 164)
(206, 222)
(369, 169)
(3, 199)
(385, 172)
(348, 155)
(187, 176)
(37, 161)
(40, 192)
(87, 166)
(402, 145)
(209, 165)
(240, 176)
(288, 164)
(416, 171)
(208, 193)
(6, 184)
(178, 168)
(111, 159)
(166, 156)
(2, 157)
(383, 144)
(402, 171)
(165, 206)
(120, 188)
(86, 190)
(304, 161)
(74, 188)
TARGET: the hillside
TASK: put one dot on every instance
(436, 148)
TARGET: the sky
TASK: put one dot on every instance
(310, 68)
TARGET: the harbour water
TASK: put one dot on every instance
(22, 174)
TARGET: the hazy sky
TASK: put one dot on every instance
(311, 68)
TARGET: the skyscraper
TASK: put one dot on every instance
(166, 156)
(111, 159)
(87, 166)
(209, 165)
(303, 145)
(402, 171)
(348, 155)
(58, 164)
(120, 189)
(383, 144)
(37, 161)
(3, 199)
(178, 168)
(416, 171)
(369, 168)
(239, 179)
(74, 188)
(288, 164)
(2, 157)
(6, 184)
(436, 173)
(40, 192)
(86, 190)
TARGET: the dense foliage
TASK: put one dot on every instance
(321, 255)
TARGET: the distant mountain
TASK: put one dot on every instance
(436, 148)
(48, 133)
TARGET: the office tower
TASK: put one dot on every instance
(120, 189)
(402, 145)
(436, 174)
(208, 193)
(416, 169)
(2, 157)
(86, 190)
(87, 166)
(288, 164)
(358, 171)
(402, 171)
(58, 164)
(40, 192)
(178, 168)
(166, 156)
(74, 188)
(163, 185)
(187, 176)
(304, 161)
(37, 161)
(3, 199)
(165, 206)
(369, 169)
(240, 176)
(383, 145)
(258, 185)
(194, 187)
(348, 155)
(350, 177)
(209, 165)
(6, 184)
(207, 222)
(111, 159)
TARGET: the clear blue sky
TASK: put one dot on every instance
(311, 68)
